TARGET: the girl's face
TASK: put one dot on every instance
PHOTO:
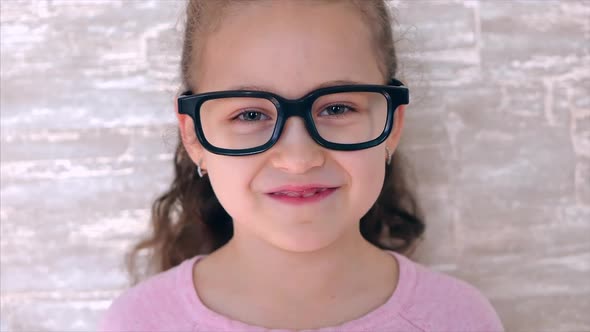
(291, 48)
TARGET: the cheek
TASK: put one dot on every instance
(366, 169)
(230, 180)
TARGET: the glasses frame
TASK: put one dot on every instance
(395, 92)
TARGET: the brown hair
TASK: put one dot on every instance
(188, 220)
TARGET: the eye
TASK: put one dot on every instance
(251, 116)
(336, 110)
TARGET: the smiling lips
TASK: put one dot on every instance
(304, 193)
(301, 194)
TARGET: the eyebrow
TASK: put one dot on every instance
(323, 85)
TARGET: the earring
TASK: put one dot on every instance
(389, 155)
(199, 170)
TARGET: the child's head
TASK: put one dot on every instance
(289, 48)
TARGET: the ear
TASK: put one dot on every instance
(188, 136)
(398, 124)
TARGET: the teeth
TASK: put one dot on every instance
(307, 193)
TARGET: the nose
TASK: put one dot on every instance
(295, 151)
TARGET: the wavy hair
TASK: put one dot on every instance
(188, 220)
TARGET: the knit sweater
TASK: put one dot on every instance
(423, 300)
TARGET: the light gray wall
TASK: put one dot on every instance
(498, 132)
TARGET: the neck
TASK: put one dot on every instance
(342, 269)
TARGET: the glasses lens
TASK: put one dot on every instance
(238, 123)
(350, 117)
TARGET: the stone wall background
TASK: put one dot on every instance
(498, 132)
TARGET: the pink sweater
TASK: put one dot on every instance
(424, 300)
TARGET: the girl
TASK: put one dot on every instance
(286, 212)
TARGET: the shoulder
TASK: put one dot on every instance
(445, 303)
(151, 305)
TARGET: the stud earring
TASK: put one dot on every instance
(199, 170)
(389, 155)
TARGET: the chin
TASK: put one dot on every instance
(304, 241)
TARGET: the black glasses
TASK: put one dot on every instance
(344, 117)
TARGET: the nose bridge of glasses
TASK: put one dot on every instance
(297, 108)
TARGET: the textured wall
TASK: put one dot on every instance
(498, 132)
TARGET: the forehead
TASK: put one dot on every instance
(287, 47)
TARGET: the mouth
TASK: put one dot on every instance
(304, 196)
